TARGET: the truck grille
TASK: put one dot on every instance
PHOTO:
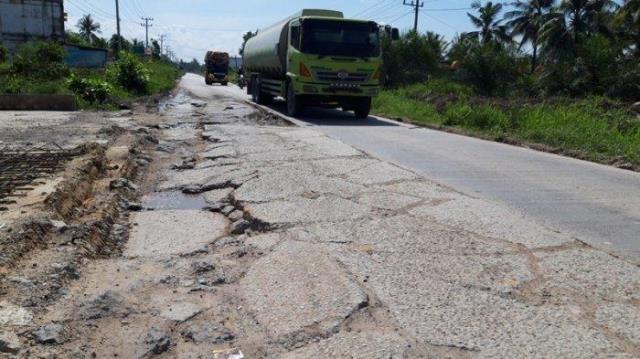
(342, 76)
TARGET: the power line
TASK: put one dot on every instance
(393, 15)
(137, 7)
(387, 8)
(199, 28)
(400, 17)
(93, 9)
(442, 22)
(136, 12)
(454, 9)
(369, 8)
(130, 11)
(381, 10)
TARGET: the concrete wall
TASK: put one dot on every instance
(25, 20)
(80, 56)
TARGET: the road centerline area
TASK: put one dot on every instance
(597, 204)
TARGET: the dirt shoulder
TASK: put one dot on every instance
(257, 237)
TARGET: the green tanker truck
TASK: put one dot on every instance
(316, 58)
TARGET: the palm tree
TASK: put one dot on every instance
(628, 21)
(632, 8)
(573, 20)
(526, 20)
(437, 43)
(88, 28)
(491, 29)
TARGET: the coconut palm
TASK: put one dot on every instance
(88, 28)
(627, 20)
(631, 9)
(437, 43)
(526, 20)
(584, 17)
(573, 20)
(491, 28)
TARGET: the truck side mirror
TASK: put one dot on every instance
(278, 48)
(395, 34)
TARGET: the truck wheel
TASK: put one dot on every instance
(362, 108)
(224, 83)
(294, 107)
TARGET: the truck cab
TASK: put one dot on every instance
(334, 62)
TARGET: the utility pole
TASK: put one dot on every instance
(119, 42)
(417, 4)
(162, 37)
(147, 26)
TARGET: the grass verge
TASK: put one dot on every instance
(594, 129)
(162, 78)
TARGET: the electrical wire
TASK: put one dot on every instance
(369, 8)
(384, 10)
(138, 7)
(401, 17)
(453, 9)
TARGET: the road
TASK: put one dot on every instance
(597, 204)
(217, 230)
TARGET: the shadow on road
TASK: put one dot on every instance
(330, 117)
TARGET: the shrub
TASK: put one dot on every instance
(129, 73)
(40, 59)
(4, 53)
(626, 85)
(91, 90)
(11, 85)
(489, 68)
(411, 59)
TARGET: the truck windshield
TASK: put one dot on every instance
(340, 38)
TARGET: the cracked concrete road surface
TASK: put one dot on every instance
(253, 235)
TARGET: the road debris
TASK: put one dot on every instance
(49, 334)
(228, 354)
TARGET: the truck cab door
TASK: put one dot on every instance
(295, 34)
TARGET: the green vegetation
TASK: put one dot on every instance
(571, 91)
(3, 54)
(38, 68)
(593, 128)
(130, 74)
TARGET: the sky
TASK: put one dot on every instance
(194, 26)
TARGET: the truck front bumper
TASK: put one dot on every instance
(337, 89)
